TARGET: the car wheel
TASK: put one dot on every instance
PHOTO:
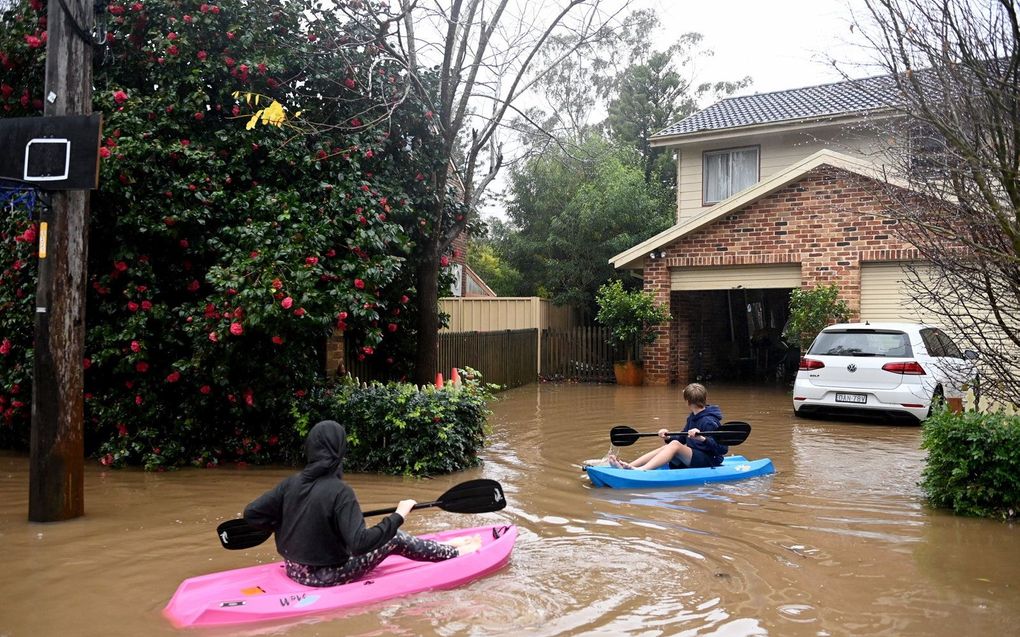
(799, 414)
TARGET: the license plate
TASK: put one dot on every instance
(860, 399)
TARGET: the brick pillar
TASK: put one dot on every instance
(680, 355)
(656, 356)
(335, 355)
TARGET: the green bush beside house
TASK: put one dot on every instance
(973, 463)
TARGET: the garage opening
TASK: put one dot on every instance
(736, 334)
(729, 323)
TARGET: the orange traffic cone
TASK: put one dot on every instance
(439, 380)
(455, 377)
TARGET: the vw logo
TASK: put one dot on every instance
(851, 368)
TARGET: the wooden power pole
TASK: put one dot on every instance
(56, 477)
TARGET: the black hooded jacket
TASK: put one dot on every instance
(314, 514)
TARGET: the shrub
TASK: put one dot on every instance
(811, 310)
(630, 316)
(973, 464)
(397, 428)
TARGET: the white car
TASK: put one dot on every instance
(880, 369)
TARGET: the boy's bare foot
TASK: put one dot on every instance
(616, 463)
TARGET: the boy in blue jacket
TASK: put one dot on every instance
(692, 450)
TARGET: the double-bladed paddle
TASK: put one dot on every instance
(730, 433)
(473, 496)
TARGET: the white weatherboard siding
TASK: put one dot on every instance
(886, 294)
(778, 151)
(749, 277)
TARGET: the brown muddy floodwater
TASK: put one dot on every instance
(837, 542)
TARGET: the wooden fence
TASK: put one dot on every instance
(583, 354)
(506, 358)
(511, 357)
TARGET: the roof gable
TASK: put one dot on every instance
(634, 257)
(851, 97)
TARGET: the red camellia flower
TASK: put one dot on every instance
(141, 367)
(277, 340)
(230, 35)
(444, 261)
(33, 42)
(187, 19)
(299, 312)
(214, 337)
(277, 284)
(199, 116)
(173, 377)
(172, 49)
(138, 399)
(122, 429)
(106, 460)
(120, 266)
(236, 329)
(104, 152)
(404, 299)
(5, 347)
(286, 303)
(392, 327)
(249, 397)
(132, 306)
(171, 36)
(368, 350)
(205, 389)
(86, 363)
(342, 316)
(120, 97)
(146, 305)
(136, 346)
(350, 83)
(358, 283)
(312, 260)
(194, 285)
(202, 55)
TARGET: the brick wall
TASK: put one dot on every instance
(829, 222)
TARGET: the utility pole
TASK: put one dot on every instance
(56, 474)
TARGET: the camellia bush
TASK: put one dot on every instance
(221, 257)
(973, 463)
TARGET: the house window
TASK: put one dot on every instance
(727, 172)
(929, 157)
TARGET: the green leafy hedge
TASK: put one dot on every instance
(973, 464)
(399, 429)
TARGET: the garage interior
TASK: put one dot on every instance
(735, 334)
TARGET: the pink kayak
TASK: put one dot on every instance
(264, 592)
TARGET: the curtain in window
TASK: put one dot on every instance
(717, 177)
(743, 169)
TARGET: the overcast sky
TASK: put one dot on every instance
(780, 44)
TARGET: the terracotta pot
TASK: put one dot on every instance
(629, 373)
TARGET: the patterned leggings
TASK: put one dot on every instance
(357, 566)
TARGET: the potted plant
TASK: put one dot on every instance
(631, 318)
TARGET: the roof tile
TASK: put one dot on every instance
(838, 98)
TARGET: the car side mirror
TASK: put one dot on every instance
(970, 355)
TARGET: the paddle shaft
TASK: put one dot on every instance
(420, 505)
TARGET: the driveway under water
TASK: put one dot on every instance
(837, 542)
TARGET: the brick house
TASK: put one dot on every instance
(776, 191)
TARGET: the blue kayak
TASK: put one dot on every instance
(732, 468)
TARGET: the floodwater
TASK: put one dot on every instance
(837, 542)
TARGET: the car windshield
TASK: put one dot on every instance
(862, 343)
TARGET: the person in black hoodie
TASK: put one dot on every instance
(319, 527)
(692, 450)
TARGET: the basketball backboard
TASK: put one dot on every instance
(52, 153)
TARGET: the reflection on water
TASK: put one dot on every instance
(837, 542)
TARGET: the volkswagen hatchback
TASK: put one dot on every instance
(880, 369)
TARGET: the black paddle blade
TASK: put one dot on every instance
(731, 433)
(473, 496)
(623, 436)
(238, 534)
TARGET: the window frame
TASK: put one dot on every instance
(705, 154)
